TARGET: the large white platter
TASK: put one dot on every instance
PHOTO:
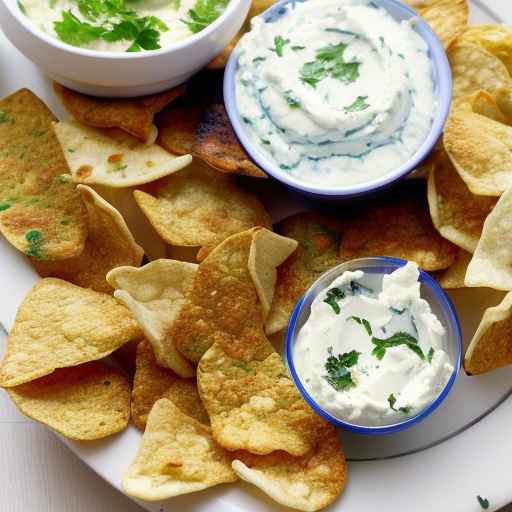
(462, 450)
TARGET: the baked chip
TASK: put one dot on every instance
(475, 69)
(133, 115)
(86, 402)
(319, 239)
(153, 382)
(109, 244)
(481, 151)
(453, 277)
(199, 207)
(155, 293)
(308, 483)
(399, 226)
(114, 158)
(457, 214)
(503, 98)
(480, 102)
(491, 347)
(177, 456)
(491, 265)
(40, 210)
(59, 325)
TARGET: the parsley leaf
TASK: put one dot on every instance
(204, 13)
(292, 101)
(346, 71)
(280, 43)
(484, 502)
(21, 7)
(298, 48)
(333, 295)
(430, 354)
(338, 375)
(358, 105)
(399, 338)
(392, 402)
(75, 32)
(363, 322)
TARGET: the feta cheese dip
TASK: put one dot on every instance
(372, 352)
(122, 25)
(335, 92)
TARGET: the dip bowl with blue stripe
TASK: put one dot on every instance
(443, 93)
(441, 306)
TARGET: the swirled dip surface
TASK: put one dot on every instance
(335, 92)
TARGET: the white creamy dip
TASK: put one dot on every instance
(344, 354)
(336, 92)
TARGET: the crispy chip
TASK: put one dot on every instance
(448, 18)
(399, 226)
(453, 277)
(457, 214)
(319, 238)
(133, 115)
(177, 456)
(475, 69)
(480, 102)
(144, 233)
(503, 97)
(58, 325)
(109, 244)
(481, 151)
(199, 207)
(155, 293)
(153, 382)
(491, 347)
(491, 265)
(86, 402)
(40, 210)
(308, 483)
(114, 158)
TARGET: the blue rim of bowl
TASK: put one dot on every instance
(444, 79)
(443, 300)
(25, 21)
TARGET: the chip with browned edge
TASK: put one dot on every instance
(58, 325)
(40, 210)
(86, 402)
(153, 382)
(109, 244)
(307, 483)
(491, 347)
(155, 293)
(199, 207)
(177, 456)
(133, 115)
(453, 277)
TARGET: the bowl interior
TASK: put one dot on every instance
(442, 87)
(430, 290)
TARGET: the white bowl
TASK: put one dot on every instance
(120, 74)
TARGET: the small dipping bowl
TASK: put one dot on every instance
(443, 91)
(430, 290)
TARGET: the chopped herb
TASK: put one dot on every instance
(3, 117)
(399, 338)
(312, 72)
(292, 101)
(338, 375)
(280, 43)
(34, 238)
(259, 59)
(333, 295)
(21, 7)
(398, 311)
(204, 13)
(75, 32)
(4, 205)
(392, 402)
(265, 141)
(297, 48)
(358, 105)
(483, 502)
(430, 354)
(363, 322)
(71, 150)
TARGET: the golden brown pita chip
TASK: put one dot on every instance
(177, 456)
(399, 226)
(153, 382)
(109, 244)
(481, 151)
(199, 207)
(308, 483)
(457, 214)
(58, 325)
(40, 210)
(453, 277)
(475, 69)
(86, 402)
(480, 102)
(319, 239)
(114, 158)
(491, 347)
(491, 265)
(155, 294)
(133, 115)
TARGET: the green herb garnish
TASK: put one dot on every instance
(363, 322)
(483, 502)
(392, 402)
(280, 43)
(259, 59)
(333, 295)
(358, 105)
(21, 7)
(292, 101)
(430, 354)
(34, 238)
(338, 375)
(399, 338)
(298, 48)
(4, 205)
(204, 13)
